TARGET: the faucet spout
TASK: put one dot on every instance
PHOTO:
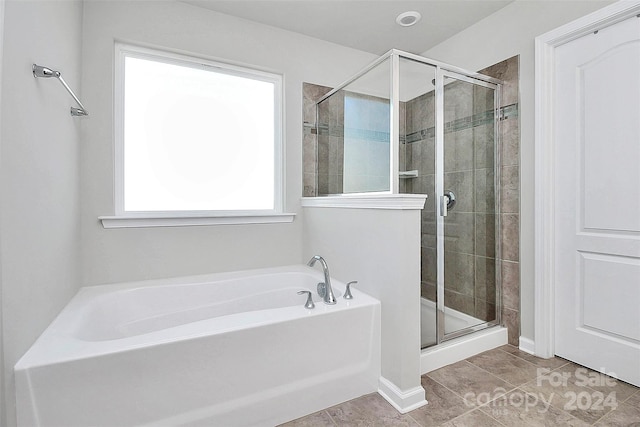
(328, 296)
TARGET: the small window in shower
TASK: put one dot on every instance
(354, 136)
(196, 136)
(366, 143)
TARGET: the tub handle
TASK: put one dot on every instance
(309, 304)
(347, 291)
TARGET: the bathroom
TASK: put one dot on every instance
(57, 170)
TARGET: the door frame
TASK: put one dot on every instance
(3, 401)
(544, 146)
(441, 74)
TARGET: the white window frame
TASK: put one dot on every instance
(124, 218)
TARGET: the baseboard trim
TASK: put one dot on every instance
(403, 400)
(527, 345)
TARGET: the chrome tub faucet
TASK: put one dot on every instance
(324, 289)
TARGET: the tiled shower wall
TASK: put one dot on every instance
(349, 149)
(508, 72)
(331, 147)
(310, 95)
(469, 264)
(419, 149)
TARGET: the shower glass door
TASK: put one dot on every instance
(466, 183)
(449, 150)
(417, 175)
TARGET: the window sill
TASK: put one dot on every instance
(124, 221)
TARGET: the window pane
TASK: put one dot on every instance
(196, 139)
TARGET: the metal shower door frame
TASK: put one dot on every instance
(442, 70)
(441, 74)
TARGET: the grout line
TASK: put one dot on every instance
(516, 386)
(491, 416)
(632, 394)
(503, 380)
(413, 419)
(465, 360)
(596, 391)
(611, 411)
(579, 410)
(476, 408)
(562, 410)
(590, 388)
(561, 366)
(486, 405)
(330, 417)
(531, 363)
(515, 355)
(600, 419)
(471, 409)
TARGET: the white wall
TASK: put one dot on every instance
(128, 254)
(508, 32)
(381, 250)
(38, 174)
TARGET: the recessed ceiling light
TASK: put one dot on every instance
(408, 19)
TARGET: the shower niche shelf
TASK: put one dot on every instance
(408, 174)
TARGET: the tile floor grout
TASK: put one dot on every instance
(611, 412)
(592, 389)
(586, 386)
(479, 408)
(516, 387)
(564, 411)
(597, 420)
(476, 408)
(372, 410)
(555, 406)
(523, 391)
(462, 397)
(495, 376)
(414, 420)
(601, 418)
(331, 417)
(633, 394)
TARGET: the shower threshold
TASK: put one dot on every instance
(454, 321)
(454, 350)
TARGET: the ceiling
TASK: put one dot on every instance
(367, 25)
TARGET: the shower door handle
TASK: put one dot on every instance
(444, 201)
(447, 202)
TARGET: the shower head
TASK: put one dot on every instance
(40, 71)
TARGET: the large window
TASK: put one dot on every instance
(195, 137)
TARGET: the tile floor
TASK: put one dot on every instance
(500, 387)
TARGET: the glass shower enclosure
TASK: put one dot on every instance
(408, 124)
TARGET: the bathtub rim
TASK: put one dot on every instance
(59, 333)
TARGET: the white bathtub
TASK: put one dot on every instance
(230, 349)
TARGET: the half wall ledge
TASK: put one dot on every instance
(367, 201)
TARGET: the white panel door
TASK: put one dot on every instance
(597, 200)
